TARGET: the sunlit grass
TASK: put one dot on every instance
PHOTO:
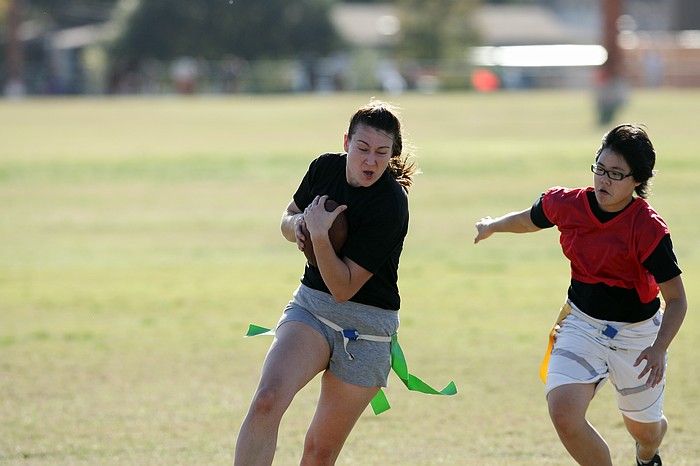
(140, 236)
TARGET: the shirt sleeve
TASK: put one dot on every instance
(662, 262)
(537, 215)
(304, 195)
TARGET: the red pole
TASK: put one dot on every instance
(612, 10)
(611, 90)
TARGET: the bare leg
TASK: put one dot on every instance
(339, 408)
(648, 436)
(297, 354)
(567, 408)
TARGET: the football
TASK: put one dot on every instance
(337, 233)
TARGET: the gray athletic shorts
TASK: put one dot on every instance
(372, 360)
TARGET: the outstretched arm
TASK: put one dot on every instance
(514, 222)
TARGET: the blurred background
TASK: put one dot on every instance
(58, 47)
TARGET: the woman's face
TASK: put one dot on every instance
(613, 195)
(369, 152)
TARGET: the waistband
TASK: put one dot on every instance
(366, 319)
(608, 328)
(327, 297)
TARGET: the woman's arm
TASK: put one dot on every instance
(292, 220)
(514, 222)
(673, 293)
(343, 277)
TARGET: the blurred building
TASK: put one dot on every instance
(69, 60)
(660, 42)
(381, 21)
(533, 46)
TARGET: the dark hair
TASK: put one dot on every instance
(383, 117)
(632, 143)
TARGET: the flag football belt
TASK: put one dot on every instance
(398, 362)
(351, 334)
(604, 329)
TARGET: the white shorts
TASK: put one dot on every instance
(588, 350)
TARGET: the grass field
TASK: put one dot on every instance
(139, 237)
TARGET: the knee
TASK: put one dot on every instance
(267, 401)
(318, 452)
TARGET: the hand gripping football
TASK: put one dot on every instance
(337, 233)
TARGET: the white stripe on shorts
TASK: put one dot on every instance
(583, 354)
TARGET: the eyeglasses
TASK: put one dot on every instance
(613, 175)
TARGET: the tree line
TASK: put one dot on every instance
(251, 29)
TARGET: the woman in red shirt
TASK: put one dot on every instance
(612, 324)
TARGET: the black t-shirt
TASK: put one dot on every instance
(377, 225)
(614, 303)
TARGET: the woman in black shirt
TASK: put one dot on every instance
(353, 289)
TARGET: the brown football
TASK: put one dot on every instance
(337, 233)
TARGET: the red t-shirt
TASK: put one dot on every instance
(612, 252)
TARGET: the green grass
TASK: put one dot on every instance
(140, 236)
